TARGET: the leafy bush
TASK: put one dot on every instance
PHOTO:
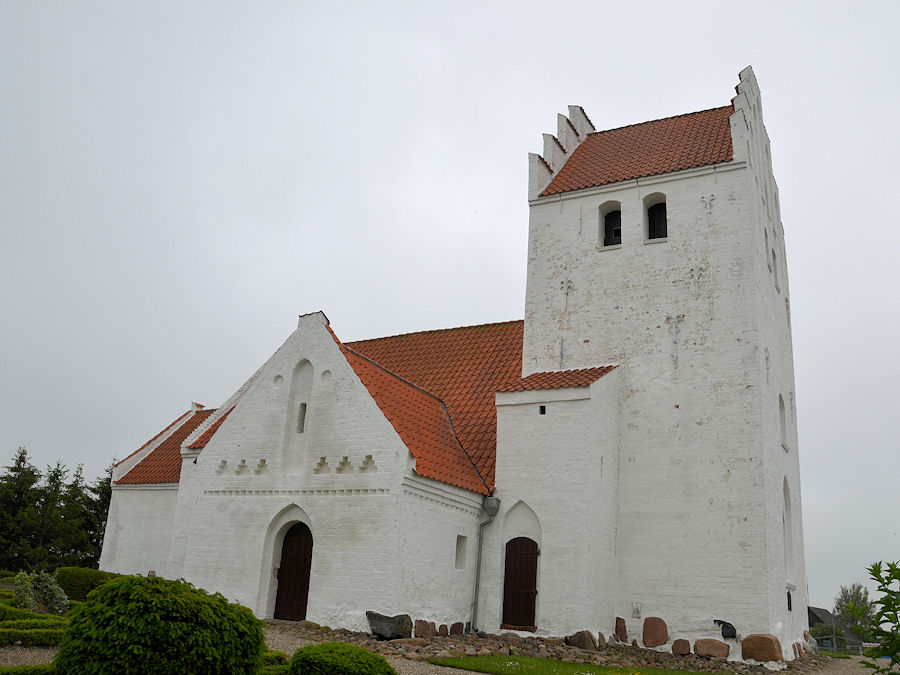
(885, 627)
(337, 658)
(39, 593)
(77, 582)
(152, 625)
(23, 594)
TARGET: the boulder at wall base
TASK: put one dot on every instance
(681, 648)
(601, 641)
(456, 628)
(390, 627)
(443, 631)
(656, 632)
(621, 632)
(709, 648)
(583, 639)
(761, 647)
(425, 629)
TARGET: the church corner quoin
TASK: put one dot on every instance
(648, 396)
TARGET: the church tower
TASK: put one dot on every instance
(659, 248)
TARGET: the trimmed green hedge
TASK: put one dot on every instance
(275, 658)
(52, 621)
(337, 658)
(46, 669)
(77, 582)
(43, 637)
(8, 613)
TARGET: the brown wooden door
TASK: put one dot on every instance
(520, 583)
(293, 574)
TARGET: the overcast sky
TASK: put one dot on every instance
(180, 180)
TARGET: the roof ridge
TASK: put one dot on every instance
(660, 119)
(396, 376)
(437, 330)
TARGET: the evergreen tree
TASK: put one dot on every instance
(19, 495)
(51, 521)
(50, 533)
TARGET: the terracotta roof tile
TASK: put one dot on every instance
(422, 422)
(647, 149)
(207, 435)
(163, 464)
(463, 367)
(558, 380)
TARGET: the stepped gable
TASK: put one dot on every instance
(163, 464)
(464, 368)
(647, 149)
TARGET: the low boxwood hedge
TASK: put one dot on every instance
(42, 637)
(51, 621)
(8, 612)
(45, 669)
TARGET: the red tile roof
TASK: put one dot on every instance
(463, 367)
(422, 422)
(208, 434)
(558, 380)
(660, 146)
(163, 464)
(436, 388)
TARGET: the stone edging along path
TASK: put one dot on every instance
(616, 655)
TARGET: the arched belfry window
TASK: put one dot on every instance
(611, 224)
(655, 219)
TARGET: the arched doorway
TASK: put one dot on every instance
(520, 584)
(293, 574)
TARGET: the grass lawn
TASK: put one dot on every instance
(501, 665)
(834, 655)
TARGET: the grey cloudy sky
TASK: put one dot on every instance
(180, 180)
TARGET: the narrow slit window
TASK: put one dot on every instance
(656, 221)
(301, 418)
(542, 410)
(612, 228)
(461, 547)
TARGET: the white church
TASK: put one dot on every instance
(628, 450)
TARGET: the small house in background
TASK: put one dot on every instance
(623, 459)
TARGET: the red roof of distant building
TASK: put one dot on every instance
(163, 464)
(670, 144)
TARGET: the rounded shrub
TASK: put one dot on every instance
(77, 582)
(152, 625)
(337, 658)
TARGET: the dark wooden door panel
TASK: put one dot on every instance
(293, 574)
(520, 583)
